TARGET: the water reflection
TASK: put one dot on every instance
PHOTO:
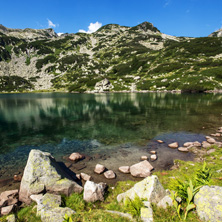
(36, 119)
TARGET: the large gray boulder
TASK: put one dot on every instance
(150, 189)
(94, 191)
(42, 173)
(208, 202)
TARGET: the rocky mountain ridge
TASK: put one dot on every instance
(130, 58)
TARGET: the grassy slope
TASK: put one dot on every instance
(119, 54)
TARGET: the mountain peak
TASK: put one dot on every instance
(145, 26)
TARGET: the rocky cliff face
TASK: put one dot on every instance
(217, 33)
(130, 58)
(28, 34)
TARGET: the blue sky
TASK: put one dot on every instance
(174, 17)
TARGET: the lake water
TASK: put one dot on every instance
(98, 124)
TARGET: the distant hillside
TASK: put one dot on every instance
(126, 58)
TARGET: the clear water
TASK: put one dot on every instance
(63, 123)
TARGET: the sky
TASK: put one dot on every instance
(193, 18)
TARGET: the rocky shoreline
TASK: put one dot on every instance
(44, 176)
(219, 91)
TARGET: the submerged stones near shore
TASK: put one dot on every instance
(76, 157)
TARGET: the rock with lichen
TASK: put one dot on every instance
(208, 203)
(43, 174)
(150, 189)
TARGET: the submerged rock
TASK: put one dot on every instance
(208, 203)
(150, 189)
(76, 156)
(42, 173)
(142, 169)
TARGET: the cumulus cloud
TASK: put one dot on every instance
(60, 33)
(51, 24)
(92, 27)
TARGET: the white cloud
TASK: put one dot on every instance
(51, 24)
(92, 27)
(60, 33)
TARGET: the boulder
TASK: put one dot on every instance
(211, 140)
(219, 144)
(153, 157)
(48, 208)
(37, 198)
(110, 174)
(183, 149)
(56, 214)
(8, 198)
(142, 169)
(76, 156)
(42, 173)
(99, 169)
(153, 152)
(7, 210)
(211, 151)
(173, 145)
(124, 169)
(187, 144)
(149, 188)
(205, 144)
(165, 202)
(215, 134)
(93, 191)
(85, 176)
(208, 203)
(197, 144)
(143, 158)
